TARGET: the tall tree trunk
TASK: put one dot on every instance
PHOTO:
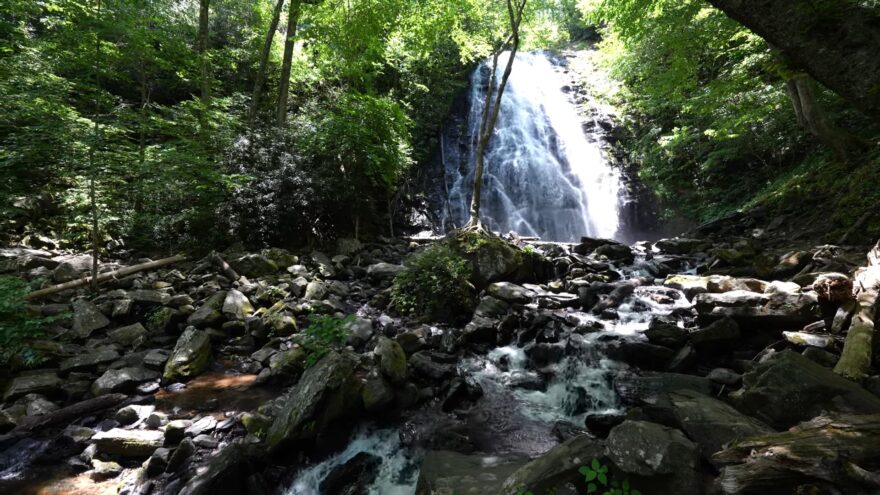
(490, 110)
(811, 117)
(289, 40)
(93, 159)
(835, 41)
(260, 78)
(204, 67)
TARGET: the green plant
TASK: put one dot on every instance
(434, 285)
(596, 472)
(17, 326)
(323, 334)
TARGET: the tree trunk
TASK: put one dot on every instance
(835, 41)
(490, 111)
(260, 78)
(811, 117)
(204, 72)
(289, 40)
(93, 159)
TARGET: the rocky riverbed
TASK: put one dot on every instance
(704, 364)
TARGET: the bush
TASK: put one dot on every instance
(17, 327)
(435, 286)
(323, 334)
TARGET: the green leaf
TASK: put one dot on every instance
(590, 475)
(596, 464)
(603, 479)
(591, 487)
(625, 485)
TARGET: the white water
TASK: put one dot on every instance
(544, 176)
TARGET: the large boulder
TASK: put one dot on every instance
(392, 360)
(87, 318)
(759, 310)
(555, 468)
(209, 312)
(788, 388)
(89, 360)
(384, 271)
(327, 393)
(644, 448)
(128, 443)
(45, 382)
(354, 476)
(650, 385)
(236, 306)
(122, 380)
(254, 265)
(190, 356)
(510, 292)
(680, 245)
(450, 472)
(493, 259)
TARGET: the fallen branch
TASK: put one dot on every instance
(69, 413)
(122, 272)
(223, 266)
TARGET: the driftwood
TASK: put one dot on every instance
(223, 266)
(122, 272)
(839, 450)
(855, 360)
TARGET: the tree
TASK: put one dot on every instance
(835, 41)
(260, 78)
(490, 110)
(204, 76)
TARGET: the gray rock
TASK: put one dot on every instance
(325, 265)
(490, 307)
(175, 430)
(679, 245)
(666, 333)
(392, 360)
(377, 394)
(384, 271)
(788, 388)
(209, 312)
(254, 265)
(509, 292)
(725, 376)
(205, 424)
(43, 382)
(133, 413)
(554, 468)
(65, 272)
(122, 380)
(785, 310)
(315, 290)
(479, 330)
(37, 405)
(104, 470)
(451, 472)
(649, 385)
(805, 339)
(190, 356)
(183, 452)
(156, 358)
(149, 297)
(719, 334)
(647, 449)
(87, 318)
(128, 335)
(90, 360)
(236, 306)
(360, 330)
(128, 443)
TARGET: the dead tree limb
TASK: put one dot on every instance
(122, 272)
(223, 266)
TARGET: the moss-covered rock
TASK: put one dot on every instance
(190, 356)
(493, 259)
(392, 360)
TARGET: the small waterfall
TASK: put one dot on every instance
(544, 175)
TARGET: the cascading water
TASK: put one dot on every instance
(544, 175)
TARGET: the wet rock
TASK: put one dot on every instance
(377, 394)
(424, 363)
(490, 307)
(788, 388)
(122, 380)
(649, 385)
(392, 360)
(208, 313)
(236, 306)
(509, 292)
(461, 392)
(640, 354)
(45, 382)
(649, 449)
(542, 355)
(479, 330)
(680, 245)
(128, 336)
(589, 244)
(87, 318)
(666, 333)
(601, 424)
(383, 271)
(128, 443)
(554, 469)
(360, 330)
(190, 356)
(756, 310)
(450, 472)
(354, 476)
(89, 360)
(203, 425)
(725, 376)
(326, 393)
(616, 252)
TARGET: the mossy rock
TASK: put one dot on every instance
(494, 259)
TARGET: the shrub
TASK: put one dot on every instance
(435, 286)
(323, 334)
(17, 326)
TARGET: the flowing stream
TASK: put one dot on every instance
(544, 174)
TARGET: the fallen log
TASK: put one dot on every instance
(855, 360)
(122, 272)
(839, 450)
(70, 413)
(223, 266)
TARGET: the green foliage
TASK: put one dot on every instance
(596, 476)
(323, 334)
(17, 326)
(434, 286)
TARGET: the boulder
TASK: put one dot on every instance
(616, 252)
(45, 382)
(649, 385)
(555, 468)
(719, 334)
(647, 449)
(315, 290)
(450, 472)
(666, 333)
(87, 318)
(392, 360)
(148, 297)
(479, 330)
(128, 443)
(65, 272)
(89, 360)
(360, 330)
(377, 394)
(490, 307)
(510, 292)
(122, 380)
(190, 356)
(383, 271)
(128, 336)
(236, 306)
(788, 388)
(325, 264)
(254, 265)
(227, 472)
(354, 476)
(328, 392)
(208, 313)
(493, 259)
(680, 245)
(423, 363)
(757, 310)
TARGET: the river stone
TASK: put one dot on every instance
(127, 335)
(383, 271)
(149, 297)
(721, 333)
(392, 360)
(209, 312)
(87, 318)
(128, 443)
(236, 306)
(122, 380)
(254, 265)
(89, 360)
(360, 330)
(616, 252)
(666, 333)
(156, 358)
(315, 290)
(788, 388)
(679, 245)
(65, 272)
(227, 472)
(751, 309)
(647, 449)
(190, 356)
(491, 307)
(43, 382)
(445, 472)
(509, 292)
(493, 259)
(327, 392)
(649, 385)
(377, 394)
(354, 476)
(325, 265)
(556, 467)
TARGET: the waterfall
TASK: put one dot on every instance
(544, 174)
